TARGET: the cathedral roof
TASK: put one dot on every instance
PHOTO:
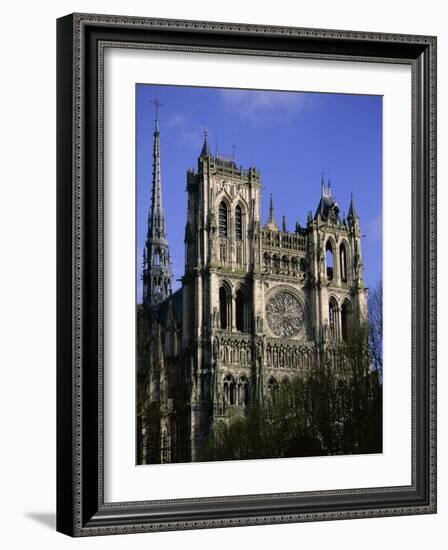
(328, 207)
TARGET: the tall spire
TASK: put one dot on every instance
(157, 216)
(157, 275)
(271, 220)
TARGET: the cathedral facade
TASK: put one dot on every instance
(258, 305)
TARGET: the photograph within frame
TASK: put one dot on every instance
(81, 506)
(265, 342)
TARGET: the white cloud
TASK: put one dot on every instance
(193, 138)
(374, 229)
(185, 131)
(175, 120)
(262, 108)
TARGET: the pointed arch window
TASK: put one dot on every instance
(346, 311)
(329, 260)
(224, 307)
(343, 262)
(223, 219)
(229, 389)
(333, 318)
(242, 311)
(157, 257)
(238, 223)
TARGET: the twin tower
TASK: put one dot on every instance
(258, 304)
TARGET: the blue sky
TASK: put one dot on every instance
(291, 137)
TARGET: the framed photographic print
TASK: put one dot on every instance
(246, 274)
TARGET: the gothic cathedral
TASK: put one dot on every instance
(258, 304)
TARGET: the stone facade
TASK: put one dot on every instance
(258, 305)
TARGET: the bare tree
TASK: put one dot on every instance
(335, 409)
(376, 327)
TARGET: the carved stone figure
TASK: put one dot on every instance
(215, 317)
(215, 349)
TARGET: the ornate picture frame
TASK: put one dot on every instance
(81, 506)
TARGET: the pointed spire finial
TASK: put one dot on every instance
(284, 223)
(352, 212)
(205, 148)
(157, 104)
(271, 208)
(271, 220)
(325, 189)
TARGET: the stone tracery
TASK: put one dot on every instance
(285, 314)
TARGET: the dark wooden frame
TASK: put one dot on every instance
(81, 510)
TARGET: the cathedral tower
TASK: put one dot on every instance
(221, 283)
(337, 293)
